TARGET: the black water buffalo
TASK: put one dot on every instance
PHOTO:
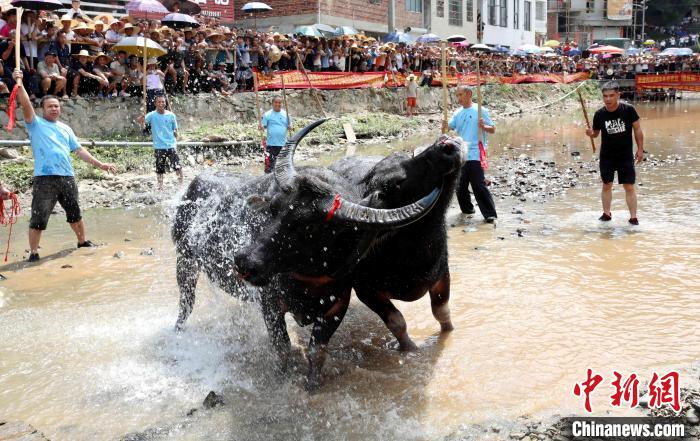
(287, 240)
(413, 260)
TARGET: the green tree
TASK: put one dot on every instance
(667, 12)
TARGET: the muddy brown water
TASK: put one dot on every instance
(88, 352)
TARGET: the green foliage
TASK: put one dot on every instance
(17, 176)
(667, 12)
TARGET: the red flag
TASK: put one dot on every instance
(11, 104)
(482, 156)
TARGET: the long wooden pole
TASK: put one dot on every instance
(479, 99)
(18, 34)
(585, 115)
(257, 107)
(286, 109)
(308, 80)
(145, 75)
(443, 49)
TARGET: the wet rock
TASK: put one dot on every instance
(575, 154)
(12, 431)
(118, 254)
(191, 411)
(8, 153)
(212, 400)
(517, 435)
(148, 252)
(66, 266)
(692, 417)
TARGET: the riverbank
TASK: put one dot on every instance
(378, 122)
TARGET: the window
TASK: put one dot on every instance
(456, 13)
(539, 11)
(414, 5)
(516, 14)
(590, 6)
(440, 8)
(492, 12)
(470, 10)
(503, 14)
(527, 9)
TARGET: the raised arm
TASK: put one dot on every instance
(24, 102)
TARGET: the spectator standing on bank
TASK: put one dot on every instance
(163, 125)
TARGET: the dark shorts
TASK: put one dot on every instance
(166, 159)
(624, 168)
(271, 153)
(48, 190)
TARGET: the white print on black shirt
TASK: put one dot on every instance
(614, 127)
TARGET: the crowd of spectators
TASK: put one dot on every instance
(685, 34)
(72, 55)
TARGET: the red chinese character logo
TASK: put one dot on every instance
(627, 392)
(667, 393)
(588, 386)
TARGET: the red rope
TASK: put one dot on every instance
(9, 217)
(11, 108)
(334, 207)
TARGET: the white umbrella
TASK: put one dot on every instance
(254, 7)
(456, 38)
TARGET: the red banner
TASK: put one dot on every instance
(679, 81)
(352, 80)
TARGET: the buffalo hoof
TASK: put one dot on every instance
(407, 346)
(312, 385)
(446, 327)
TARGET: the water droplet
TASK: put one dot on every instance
(321, 301)
(332, 298)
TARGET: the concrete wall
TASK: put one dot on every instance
(509, 35)
(442, 27)
(112, 119)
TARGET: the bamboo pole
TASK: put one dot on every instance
(585, 115)
(443, 50)
(308, 80)
(18, 34)
(257, 108)
(145, 75)
(286, 109)
(479, 99)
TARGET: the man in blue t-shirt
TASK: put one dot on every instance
(164, 130)
(52, 143)
(465, 122)
(277, 124)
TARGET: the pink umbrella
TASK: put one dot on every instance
(146, 6)
(607, 50)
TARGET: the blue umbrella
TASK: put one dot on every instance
(573, 52)
(345, 30)
(428, 38)
(308, 31)
(398, 37)
(502, 49)
(676, 52)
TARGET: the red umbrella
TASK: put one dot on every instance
(607, 50)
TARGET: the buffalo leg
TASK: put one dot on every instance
(187, 275)
(321, 334)
(439, 296)
(390, 315)
(273, 311)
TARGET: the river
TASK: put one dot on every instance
(88, 350)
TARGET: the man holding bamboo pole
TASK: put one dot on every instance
(276, 123)
(617, 121)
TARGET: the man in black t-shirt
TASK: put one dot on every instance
(617, 121)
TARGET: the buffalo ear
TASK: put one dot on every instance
(258, 202)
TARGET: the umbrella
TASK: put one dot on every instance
(428, 38)
(676, 52)
(574, 52)
(464, 43)
(480, 47)
(550, 55)
(529, 49)
(398, 37)
(38, 5)
(182, 6)
(552, 43)
(546, 49)
(456, 38)
(345, 30)
(632, 51)
(649, 43)
(178, 21)
(141, 47)
(253, 8)
(502, 49)
(324, 27)
(607, 50)
(308, 31)
(146, 6)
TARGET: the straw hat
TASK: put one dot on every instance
(130, 26)
(102, 54)
(164, 30)
(97, 23)
(187, 29)
(151, 61)
(105, 18)
(82, 26)
(411, 77)
(84, 53)
(275, 54)
(156, 31)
